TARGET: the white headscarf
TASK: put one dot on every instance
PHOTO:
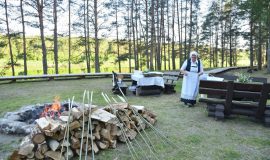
(194, 53)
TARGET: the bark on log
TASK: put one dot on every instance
(74, 125)
(15, 155)
(105, 134)
(95, 147)
(37, 136)
(26, 146)
(113, 144)
(54, 155)
(75, 143)
(76, 113)
(39, 155)
(103, 145)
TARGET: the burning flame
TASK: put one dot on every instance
(53, 109)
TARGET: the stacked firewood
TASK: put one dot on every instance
(65, 136)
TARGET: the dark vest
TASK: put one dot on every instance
(189, 65)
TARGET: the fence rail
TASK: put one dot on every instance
(50, 77)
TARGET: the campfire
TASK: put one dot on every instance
(83, 130)
(53, 110)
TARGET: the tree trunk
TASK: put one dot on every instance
(230, 38)
(158, 38)
(136, 33)
(9, 41)
(55, 36)
(179, 32)
(216, 48)
(168, 39)
(260, 48)
(190, 27)
(152, 33)
(129, 41)
(97, 67)
(147, 37)
(69, 39)
(268, 50)
(24, 40)
(161, 33)
(85, 37)
(88, 39)
(133, 35)
(268, 57)
(173, 42)
(40, 7)
(117, 39)
(186, 31)
(251, 42)
(222, 36)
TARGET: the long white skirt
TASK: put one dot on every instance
(190, 88)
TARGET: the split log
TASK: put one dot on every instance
(104, 116)
(119, 106)
(105, 134)
(53, 144)
(141, 126)
(103, 145)
(138, 109)
(113, 144)
(65, 118)
(64, 143)
(15, 156)
(95, 147)
(48, 133)
(37, 136)
(122, 138)
(114, 130)
(69, 153)
(54, 155)
(26, 146)
(43, 123)
(76, 113)
(89, 146)
(131, 134)
(151, 114)
(43, 148)
(96, 132)
(75, 143)
(74, 125)
(149, 119)
(39, 155)
(58, 135)
(55, 126)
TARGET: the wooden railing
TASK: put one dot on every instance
(94, 75)
(59, 77)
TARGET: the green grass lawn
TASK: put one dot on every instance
(196, 135)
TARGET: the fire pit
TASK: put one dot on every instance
(22, 121)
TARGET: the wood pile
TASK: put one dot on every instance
(51, 138)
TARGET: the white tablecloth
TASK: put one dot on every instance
(147, 81)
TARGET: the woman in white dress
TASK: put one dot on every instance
(192, 68)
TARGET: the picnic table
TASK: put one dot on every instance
(147, 83)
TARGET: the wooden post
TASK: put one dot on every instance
(229, 96)
(263, 100)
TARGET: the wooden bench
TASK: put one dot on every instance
(118, 84)
(170, 79)
(227, 98)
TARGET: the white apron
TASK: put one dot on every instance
(190, 85)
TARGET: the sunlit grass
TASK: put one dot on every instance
(196, 135)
